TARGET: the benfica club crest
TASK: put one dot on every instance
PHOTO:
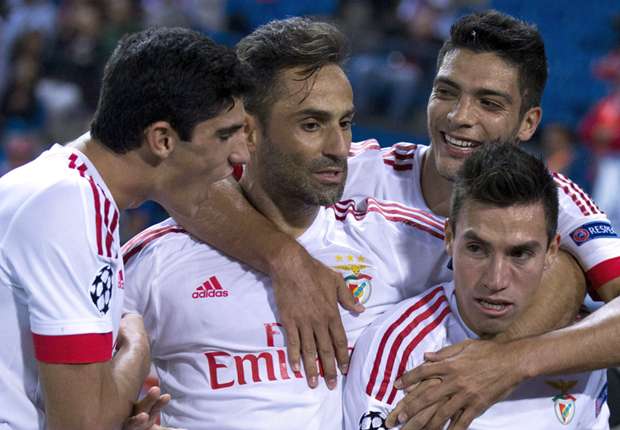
(564, 403)
(359, 283)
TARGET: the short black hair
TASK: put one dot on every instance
(285, 44)
(513, 40)
(502, 174)
(164, 74)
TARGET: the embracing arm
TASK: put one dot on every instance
(312, 321)
(97, 395)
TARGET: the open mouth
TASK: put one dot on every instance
(460, 143)
(494, 307)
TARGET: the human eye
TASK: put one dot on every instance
(475, 248)
(491, 104)
(522, 255)
(346, 124)
(442, 91)
(310, 125)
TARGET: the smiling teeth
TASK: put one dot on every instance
(459, 143)
(493, 306)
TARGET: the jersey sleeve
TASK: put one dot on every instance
(67, 285)
(587, 234)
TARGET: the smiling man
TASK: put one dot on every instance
(501, 235)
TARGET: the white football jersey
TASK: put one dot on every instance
(394, 173)
(60, 276)
(396, 342)
(217, 344)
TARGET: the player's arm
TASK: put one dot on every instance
(312, 321)
(97, 395)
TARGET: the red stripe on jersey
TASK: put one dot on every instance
(414, 342)
(381, 349)
(602, 273)
(73, 349)
(392, 212)
(110, 233)
(72, 160)
(395, 207)
(396, 166)
(365, 145)
(400, 337)
(154, 234)
(98, 222)
(577, 195)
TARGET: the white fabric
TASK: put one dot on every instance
(48, 260)
(394, 173)
(216, 343)
(397, 341)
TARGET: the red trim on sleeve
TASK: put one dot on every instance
(602, 273)
(73, 349)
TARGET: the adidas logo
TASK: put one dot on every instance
(210, 288)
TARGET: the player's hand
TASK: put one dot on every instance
(419, 420)
(474, 375)
(307, 295)
(146, 411)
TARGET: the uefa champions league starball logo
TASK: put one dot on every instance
(372, 420)
(101, 289)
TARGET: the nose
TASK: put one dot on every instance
(338, 142)
(239, 153)
(462, 112)
(497, 276)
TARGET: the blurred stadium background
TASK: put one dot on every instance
(52, 54)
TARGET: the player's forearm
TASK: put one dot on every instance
(228, 222)
(97, 396)
(610, 290)
(590, 344)
(556, 301)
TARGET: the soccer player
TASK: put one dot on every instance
(217, 340)
(170, 119)
(502, 236)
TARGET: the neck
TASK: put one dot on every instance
(121, 173)
(290, 216)
(436, 190)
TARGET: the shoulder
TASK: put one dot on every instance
(167, 237)
(386, 212)
(572, 198)
(400, 337)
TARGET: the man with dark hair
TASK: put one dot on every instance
(224, 360)
(170, 121)
(501, 235)
(481, 94)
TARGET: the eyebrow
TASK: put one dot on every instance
(230, 129)
(530, 244)
(481, 92)
(322, 114)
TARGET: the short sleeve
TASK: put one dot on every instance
(587, 234)
(69, 288)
